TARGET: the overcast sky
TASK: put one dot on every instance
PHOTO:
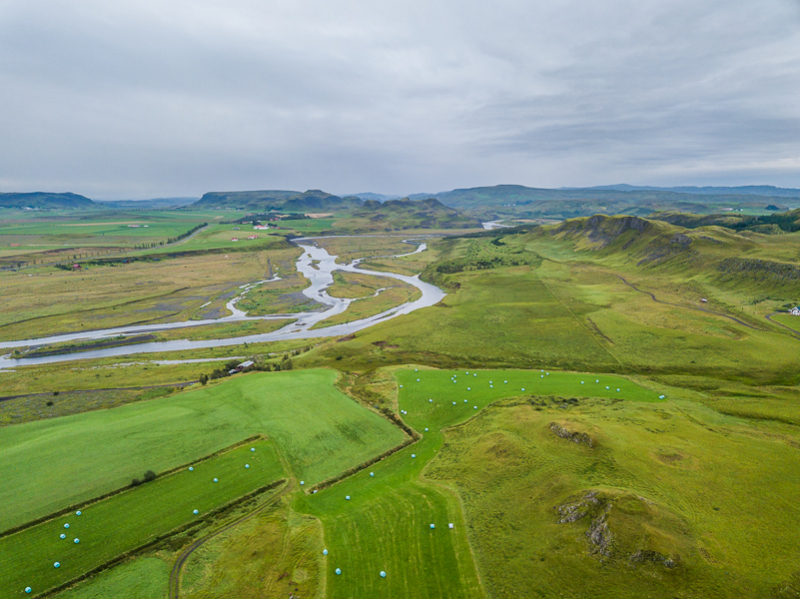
(147, 98)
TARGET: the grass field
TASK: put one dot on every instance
(672, 478)
(127, 520)
(385, 526)
(135, 293)
(319, 430)
(143, 578)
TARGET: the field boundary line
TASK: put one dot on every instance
(154, 541)
(592, 334)
(82, 505)
(698, 308)
(177, 568)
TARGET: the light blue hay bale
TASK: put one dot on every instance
(66, 525)
(63, 536)
(195, 512)
(28, 589)
(347, 497)
(324, 552)
(56, 565)
(252, 449)
(191, 468)
(78, 513)
(383, 574)
(430, 401)
(523, 388)
(474, 407)
(372, 474)
(77, 540)
(426, 429)
(302, 482)
(338, 571)
(433, 526)
(465, 401)
(216, 480)
(247, 465)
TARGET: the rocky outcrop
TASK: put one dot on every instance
(574, 436)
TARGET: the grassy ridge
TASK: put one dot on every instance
(319, 430)
(129, 519)
(682, 483)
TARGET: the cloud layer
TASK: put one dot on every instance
(144, 98)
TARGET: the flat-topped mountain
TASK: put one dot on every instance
(40, 200)
(313, 200)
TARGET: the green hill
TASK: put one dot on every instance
(787, 222)
(528, 202)
(312, 200)
(395, 215)
(39, 200)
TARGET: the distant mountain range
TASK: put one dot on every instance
(756, 190)
(500, 201)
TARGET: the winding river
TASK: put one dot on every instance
(315, 263)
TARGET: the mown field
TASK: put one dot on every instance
(125, 521)
(319, 430)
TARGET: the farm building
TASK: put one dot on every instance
(244, 365)
(795, 311)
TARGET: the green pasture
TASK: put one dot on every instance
(219, 237)
(306, 225)
(142, 578)
(712, 493)
(385, 525)
(127, 520)
(48, 464)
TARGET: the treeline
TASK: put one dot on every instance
(185, 235)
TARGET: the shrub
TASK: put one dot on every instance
(149, 475)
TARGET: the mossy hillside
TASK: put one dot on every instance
(670, 515)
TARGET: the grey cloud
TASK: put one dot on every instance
(142, 98)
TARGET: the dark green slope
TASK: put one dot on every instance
(45, 201)
(312, 200)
